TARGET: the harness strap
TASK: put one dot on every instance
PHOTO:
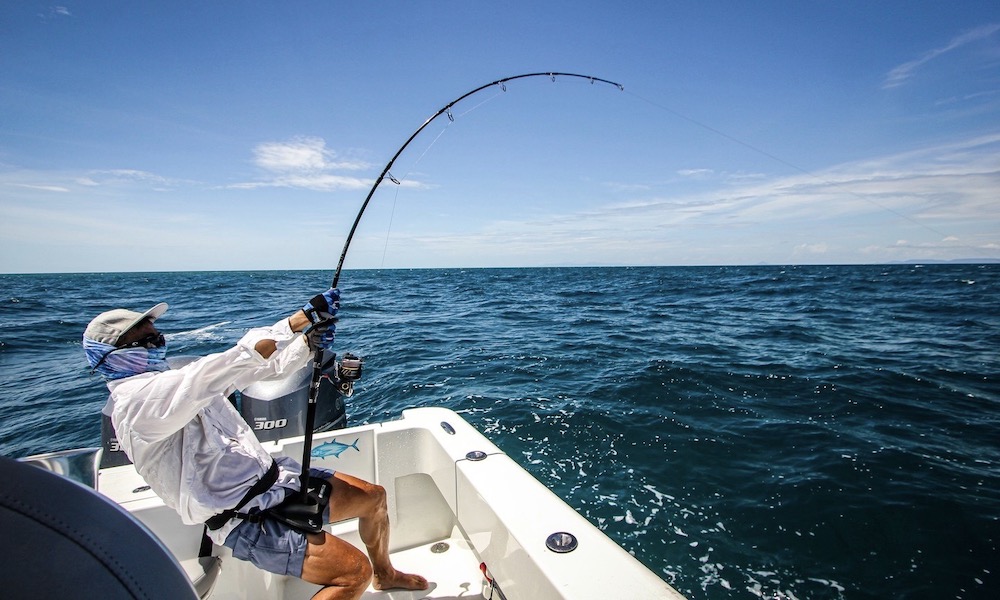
(263, 484)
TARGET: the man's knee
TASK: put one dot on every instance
(347, 567)
(375, 496)
(362, 575)
(378, 495)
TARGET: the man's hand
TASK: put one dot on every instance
(321, 311)
(320, 337)
(323, 307)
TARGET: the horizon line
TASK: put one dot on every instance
(911, 262)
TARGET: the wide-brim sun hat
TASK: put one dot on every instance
(108, 327)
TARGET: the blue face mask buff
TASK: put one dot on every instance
(117, 363)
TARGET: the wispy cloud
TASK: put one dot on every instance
(901, 74)
(301, 154)
(117, 176)
(695, 172)
(943, 196)
(81, 184)
(934, 202)
(323, 182)
(304, 162)
(41, 187)
(817, 248)
(56, 12)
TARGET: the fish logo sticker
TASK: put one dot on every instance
(333, 448)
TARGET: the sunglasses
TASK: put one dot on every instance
(153, 340)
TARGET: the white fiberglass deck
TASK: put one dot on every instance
(455, 501)
(452, 573)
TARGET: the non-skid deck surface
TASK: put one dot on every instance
(449, 565)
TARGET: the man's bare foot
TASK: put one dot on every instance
(398, 580)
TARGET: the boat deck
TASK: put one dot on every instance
(450, 566)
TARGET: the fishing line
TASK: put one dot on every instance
(784, 162)
(486, 101)
(388, 230)
(399, 184)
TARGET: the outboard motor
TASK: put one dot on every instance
(273, 409)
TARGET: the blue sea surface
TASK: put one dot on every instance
(746, 432)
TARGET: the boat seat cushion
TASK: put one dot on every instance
(64, 540)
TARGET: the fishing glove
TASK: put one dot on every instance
(321, 311)
(323, 307)
(320, 337)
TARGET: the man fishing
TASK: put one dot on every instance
(202, 459)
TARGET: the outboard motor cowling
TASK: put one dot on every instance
(277, 409)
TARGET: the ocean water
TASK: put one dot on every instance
(746, 432)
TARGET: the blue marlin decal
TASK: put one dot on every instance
(332, 448)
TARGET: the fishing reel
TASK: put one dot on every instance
(348, 371)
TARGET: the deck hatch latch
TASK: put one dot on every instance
(561, 542)
(440, 548)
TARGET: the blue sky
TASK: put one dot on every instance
(147, 136)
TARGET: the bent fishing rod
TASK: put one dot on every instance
(446, 109)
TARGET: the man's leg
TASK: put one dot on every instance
(329, 560)
(336, 564)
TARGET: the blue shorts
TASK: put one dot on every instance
(271, 545)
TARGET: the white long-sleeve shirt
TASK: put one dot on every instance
(189, 443)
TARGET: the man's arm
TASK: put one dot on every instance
(154, 407)
(296, 322)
